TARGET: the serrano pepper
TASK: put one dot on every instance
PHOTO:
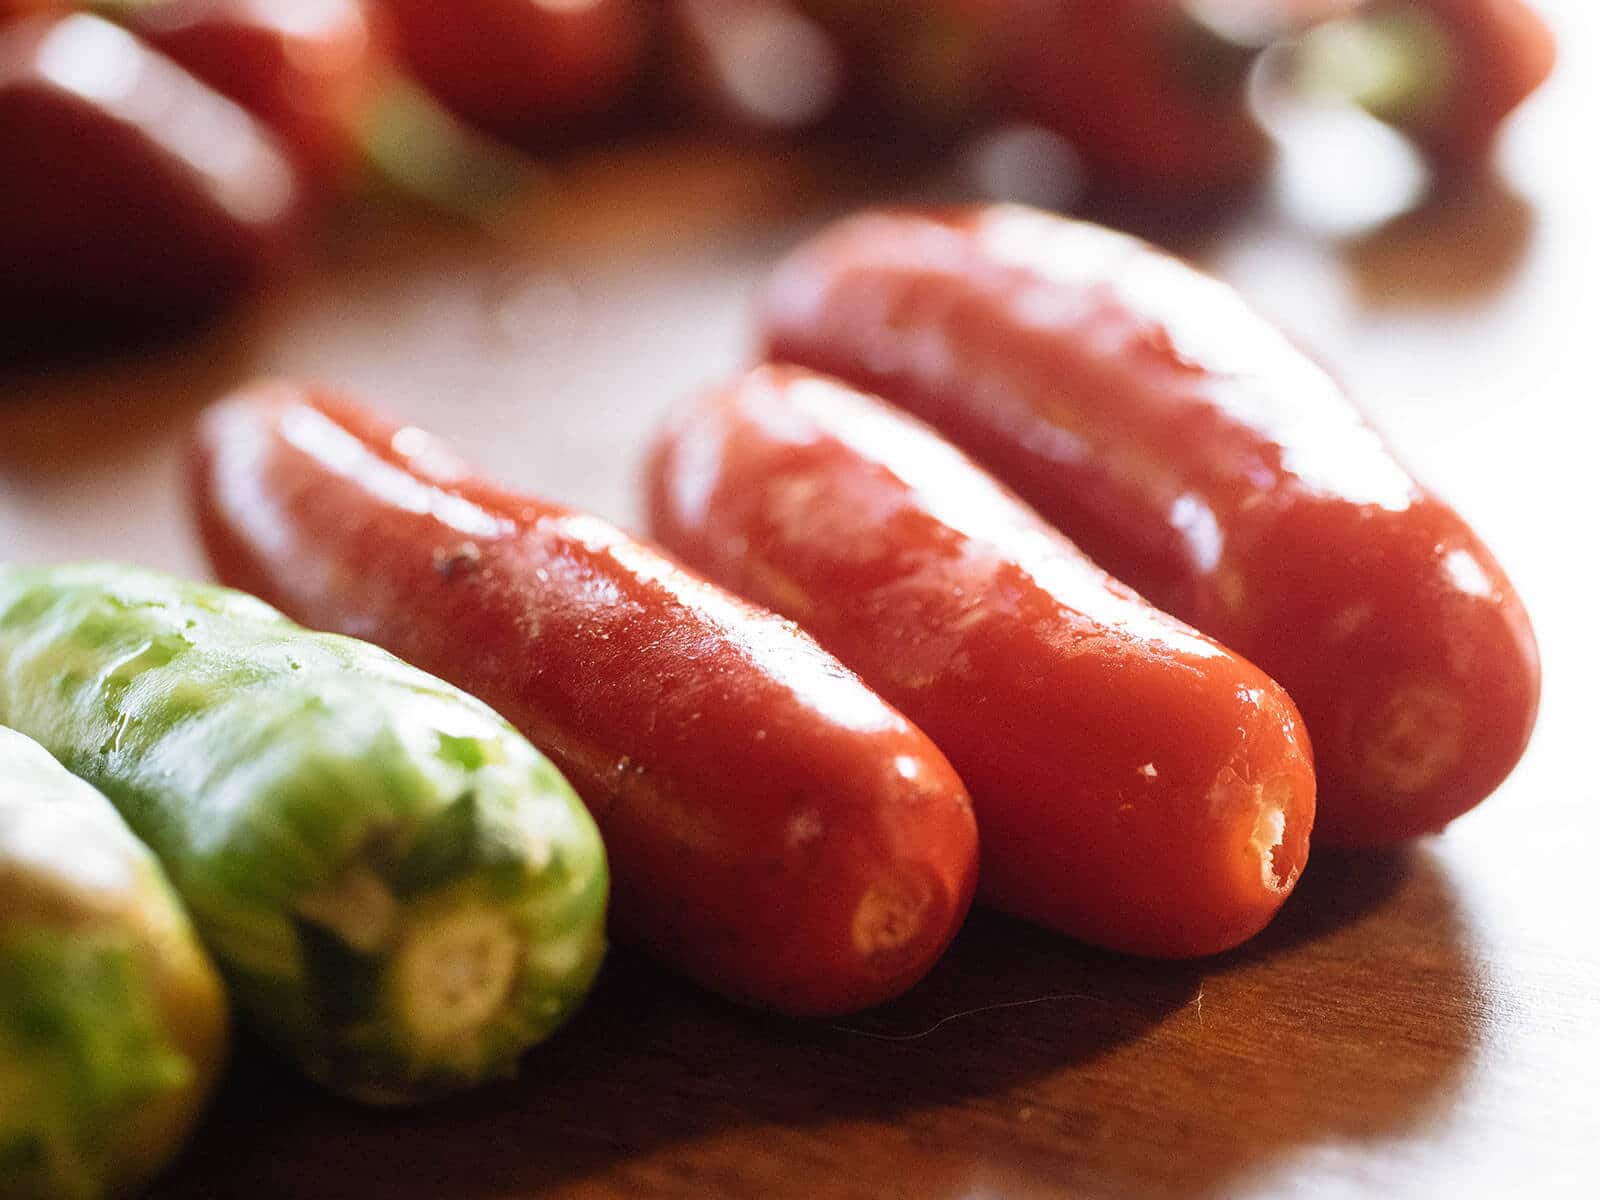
(776, 831)
(1137, 786)
(402, 893)
(112, 1021)
(1193, 452)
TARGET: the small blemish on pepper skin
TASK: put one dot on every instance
(453, 562)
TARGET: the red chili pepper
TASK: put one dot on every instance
(134, 196)
(1445, 72)
(1137, 786)
(775, 830)
(1193, 452)
(310, 69)
(1152, 99)
(524, 69)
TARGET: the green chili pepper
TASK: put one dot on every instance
(402, 892)
(112, 1020)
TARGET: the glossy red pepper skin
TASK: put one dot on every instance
(524, 70)
(1499, 53)
(1153, 102)
(134, 196)
(1186, 446)
(1137, 786)
(775, 830)
(309, 69)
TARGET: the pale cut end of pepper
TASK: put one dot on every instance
(358, 908)
(1262, 811)
(1273, 799)
(891, 918)
(455, 974)
(1413, 740)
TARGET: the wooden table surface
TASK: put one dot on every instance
(1417, 1024)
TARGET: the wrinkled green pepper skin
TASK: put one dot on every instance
(403, 894)
(113, 1022)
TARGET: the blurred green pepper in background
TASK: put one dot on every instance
(112, 1020)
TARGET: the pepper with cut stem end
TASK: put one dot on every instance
(403, 894)
(113, 1023)
(776, 830)
(1137, 786)
(1447, 73)
(1189, 448)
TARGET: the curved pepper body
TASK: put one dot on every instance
(776, 831)
(1136, 785)
(1192, 451)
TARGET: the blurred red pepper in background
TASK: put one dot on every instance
(19, 8)
(1447, 73)
(320, 74)
(1152, 99)
(134, 195)
(525, 69)
(1149, 97)
(310, 69)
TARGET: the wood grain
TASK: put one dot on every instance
(1419, 1024)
